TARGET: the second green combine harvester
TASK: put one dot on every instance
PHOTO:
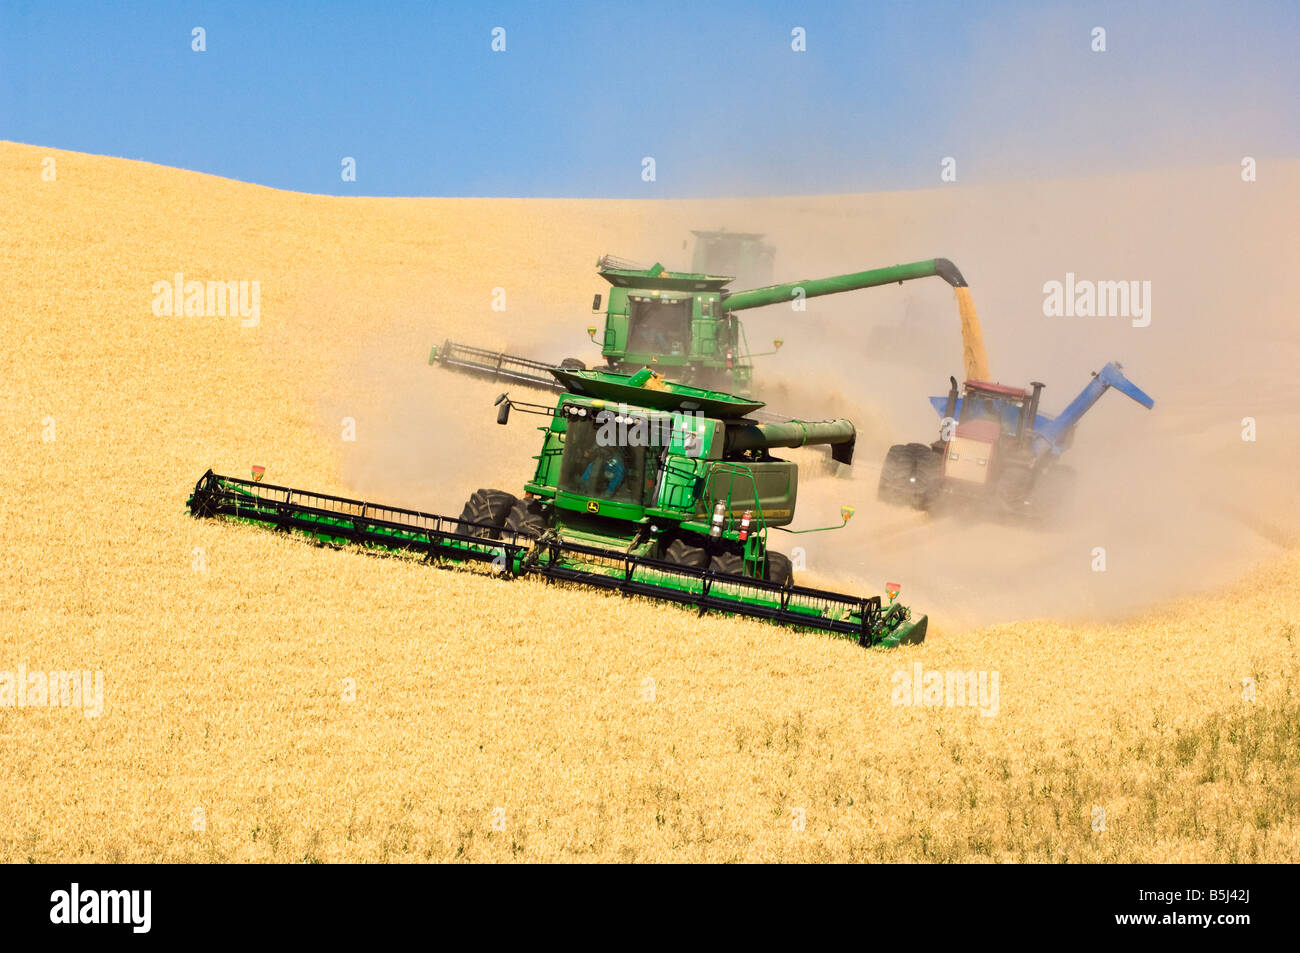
(686, 325)
(642, 486)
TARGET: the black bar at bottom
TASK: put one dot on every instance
(942, 907)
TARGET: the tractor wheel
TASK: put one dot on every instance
(1053, 492)
(489, 507)
(896, 476)
(527, 518)
(732, 563)
(1013, 491)
(779, 569)
(912, 476)
(683, 553)
(929, 476)
(572, 364)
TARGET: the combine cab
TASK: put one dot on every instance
(995, 445)
(642, 486)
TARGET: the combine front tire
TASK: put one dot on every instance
(683, 553)
(488, 507)
(527, 518)
(731, 563)
(572, 364)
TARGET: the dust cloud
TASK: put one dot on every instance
(1171, 501)
(1177, 500)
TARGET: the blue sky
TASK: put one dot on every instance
(714, 92)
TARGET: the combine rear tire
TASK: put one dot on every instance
(683, 553)
(527, 518)
(490, 507)
(779, 569)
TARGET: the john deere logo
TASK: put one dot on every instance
(593, 506)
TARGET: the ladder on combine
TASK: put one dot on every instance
(485, 363)
(338, 520)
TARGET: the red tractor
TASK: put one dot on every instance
(994, 445)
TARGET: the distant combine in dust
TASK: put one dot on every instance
(743, 255)
(683, 324)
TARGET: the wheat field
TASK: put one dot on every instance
(268, 700)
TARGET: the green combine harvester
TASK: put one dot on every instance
(682, 324)
(743, 254)
(643, 487)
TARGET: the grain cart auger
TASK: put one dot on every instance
(993, 443)
(685, 325)
(642, 487)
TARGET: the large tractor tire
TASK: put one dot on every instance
(1014, 489)
(929, 477)
(779, 569)
(896, 476)
(527, 518)
(1053, 492)
(912, 476)
(572, 364)
(489, 507)
(732, 563)
(682, 553)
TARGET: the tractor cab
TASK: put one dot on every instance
(995, 403)
(984, 422)
(993, 442)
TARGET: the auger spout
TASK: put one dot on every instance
(1057, 430)
(815, 287)
(839, 435)
(974, 358)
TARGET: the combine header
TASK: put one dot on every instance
(484, 363)
(642, 486)
(685, 325)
